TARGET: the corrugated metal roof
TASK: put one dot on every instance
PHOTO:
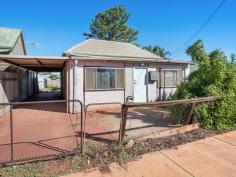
(4, 50)
(93, 47)
(8, 38)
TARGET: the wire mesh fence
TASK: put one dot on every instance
(145, 119)
(35, 130)
(5, 134)
(102, 122)
(45, 129)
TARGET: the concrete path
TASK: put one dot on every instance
(215, 156)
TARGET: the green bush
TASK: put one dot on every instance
(216, 76)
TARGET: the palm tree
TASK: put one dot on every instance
(158, 51)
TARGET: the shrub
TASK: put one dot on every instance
(216, 76)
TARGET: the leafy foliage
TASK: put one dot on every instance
(112, 25)
(158, 51)
(216, 76)
(53, 76)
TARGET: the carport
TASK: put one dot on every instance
(31, 66)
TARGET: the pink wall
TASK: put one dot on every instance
(96, 96)
(104, 97)
(118, 95)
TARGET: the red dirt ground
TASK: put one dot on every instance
(45, 129)
(43, 132)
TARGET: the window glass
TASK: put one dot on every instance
(120, 78)
(90, 80)
(104, 78)
(170, 78)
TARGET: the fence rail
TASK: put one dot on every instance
(158, 116)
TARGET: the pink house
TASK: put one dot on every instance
(107, 71)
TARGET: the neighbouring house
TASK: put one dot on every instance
(15, 82)
(99, 71)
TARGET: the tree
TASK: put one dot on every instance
(215, 76)
(233, 58)
(53, 76)
(158, 51)
(112, 25)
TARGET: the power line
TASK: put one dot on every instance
(178, 50)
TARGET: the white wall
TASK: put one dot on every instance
(152, 86)
(129, 87)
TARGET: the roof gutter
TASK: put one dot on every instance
(129, 60)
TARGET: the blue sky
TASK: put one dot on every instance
(56, 25)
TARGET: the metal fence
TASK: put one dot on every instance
(46, 129)
(102, 122)
(36, 130)
(140, 120)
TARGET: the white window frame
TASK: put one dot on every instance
(161, 71)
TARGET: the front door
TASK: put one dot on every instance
(140, 85)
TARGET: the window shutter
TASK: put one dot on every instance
(90, 78)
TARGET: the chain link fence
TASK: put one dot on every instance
(141, 120)
(5, 134)
(46, 129)
(36, 130)
(102, 122)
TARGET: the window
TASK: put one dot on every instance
(170, 78)
(104, 78)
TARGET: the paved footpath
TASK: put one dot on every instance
(211, 157)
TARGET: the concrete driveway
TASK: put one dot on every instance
(215, 156)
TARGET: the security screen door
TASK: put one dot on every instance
(140, 85)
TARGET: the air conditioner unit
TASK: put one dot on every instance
(153, 75)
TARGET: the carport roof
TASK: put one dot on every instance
(37, 63)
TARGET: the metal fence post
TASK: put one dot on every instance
(11, 133)
(190, 114)
(82, 128)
